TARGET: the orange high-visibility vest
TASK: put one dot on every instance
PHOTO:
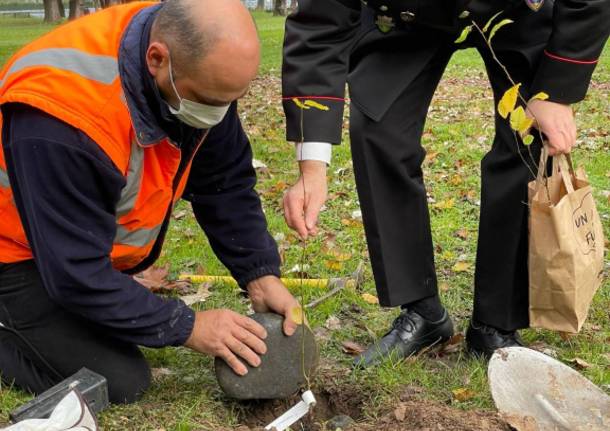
(72, 74)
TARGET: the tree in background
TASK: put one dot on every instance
(108, 3)
(279, 7)
(76, 9)
(52, 10)
(60, 7)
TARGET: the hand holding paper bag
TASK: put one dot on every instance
(566, 247)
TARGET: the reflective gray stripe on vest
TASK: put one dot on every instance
(130, 191)
(101, 68)
(129, 195)
(4, 179)
(137, 237)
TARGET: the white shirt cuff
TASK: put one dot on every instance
(321, 151)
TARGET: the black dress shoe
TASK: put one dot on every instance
(410, 333)
(482, 340)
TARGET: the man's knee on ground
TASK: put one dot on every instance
(128, 383)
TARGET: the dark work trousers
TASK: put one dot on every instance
(41, 343)
(387, 157)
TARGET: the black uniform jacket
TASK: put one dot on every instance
(331, 42)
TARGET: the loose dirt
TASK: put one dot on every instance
(408, 412)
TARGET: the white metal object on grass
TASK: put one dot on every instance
(293, 415)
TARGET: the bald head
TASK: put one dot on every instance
(212, 45)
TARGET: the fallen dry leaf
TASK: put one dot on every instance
(453, 345)
(462, 233)
(155, 279)
(202, 294)
(444, 286)
(581, 364)
(158, 373)
(463, 394)
(332, 323)
(179, 214)
(333, 265)
(430, 157)
(352, 348)
(351, 222)
(371, 299)
(444, 205)
(400, 412)
(461, 267)
(337, 255)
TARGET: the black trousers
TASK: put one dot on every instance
(387, 157)
(41, 343)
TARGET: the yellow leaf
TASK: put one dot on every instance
(519, 121)
(464, 34)
(490, 21)
(444, 205)
(461, 267)
(299, 104)
(463, 394)
(497, 27)
(296, 314)
(456, 180)
(540, 96)
(316, 105)
(337, 255)
(528, 139)
(371, 299)
(508, 101)
(333, 265)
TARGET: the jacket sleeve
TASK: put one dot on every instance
(65, 188)
(580, 31)
(318, 40)
(221, 190)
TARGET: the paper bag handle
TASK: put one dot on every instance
(565, 169)
(562, 165)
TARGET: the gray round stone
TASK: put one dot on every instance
(341, 422)
(280, 373)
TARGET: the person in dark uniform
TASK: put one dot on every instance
(393, 53)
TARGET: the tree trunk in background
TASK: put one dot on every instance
(260, 5)
(51, 11)
(60, 7)
(108, 3)
(293, 5)
(76, 9)
(279, 7)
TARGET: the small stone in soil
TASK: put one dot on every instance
(341, 422)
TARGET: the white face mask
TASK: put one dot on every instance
(194, 114)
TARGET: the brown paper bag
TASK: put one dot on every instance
(566, 247)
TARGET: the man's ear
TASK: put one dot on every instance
(157, 55)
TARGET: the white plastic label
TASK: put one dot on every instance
(294, 414)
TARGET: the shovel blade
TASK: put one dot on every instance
(535, 392)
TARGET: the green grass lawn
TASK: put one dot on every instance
(457, 135)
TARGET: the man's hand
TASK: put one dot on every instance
(229, 335)
(556, 121)
(302, 214)
(268, 293)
